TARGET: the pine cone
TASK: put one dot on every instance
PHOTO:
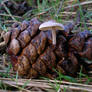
(33, 54)
(82, 44)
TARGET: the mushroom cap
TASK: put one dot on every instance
(51, 24)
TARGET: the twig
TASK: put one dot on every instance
(10, 15)
(8, 11)
(4, 71)
(14, 85)
(42, 13)
(10, 21)
(47, 85)
(79, 22)
(83, 3)
(8, 91)
(45, 81)
(74, 13)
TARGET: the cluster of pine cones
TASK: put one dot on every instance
(33, 54)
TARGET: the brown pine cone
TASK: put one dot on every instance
(69, 66)
(33, 54)
(81, 43)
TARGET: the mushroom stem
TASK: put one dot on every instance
(54, 37)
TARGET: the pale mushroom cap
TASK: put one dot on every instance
(51, 24)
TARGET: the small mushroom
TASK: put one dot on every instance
(53, 26)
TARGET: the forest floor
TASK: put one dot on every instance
(63, 11)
